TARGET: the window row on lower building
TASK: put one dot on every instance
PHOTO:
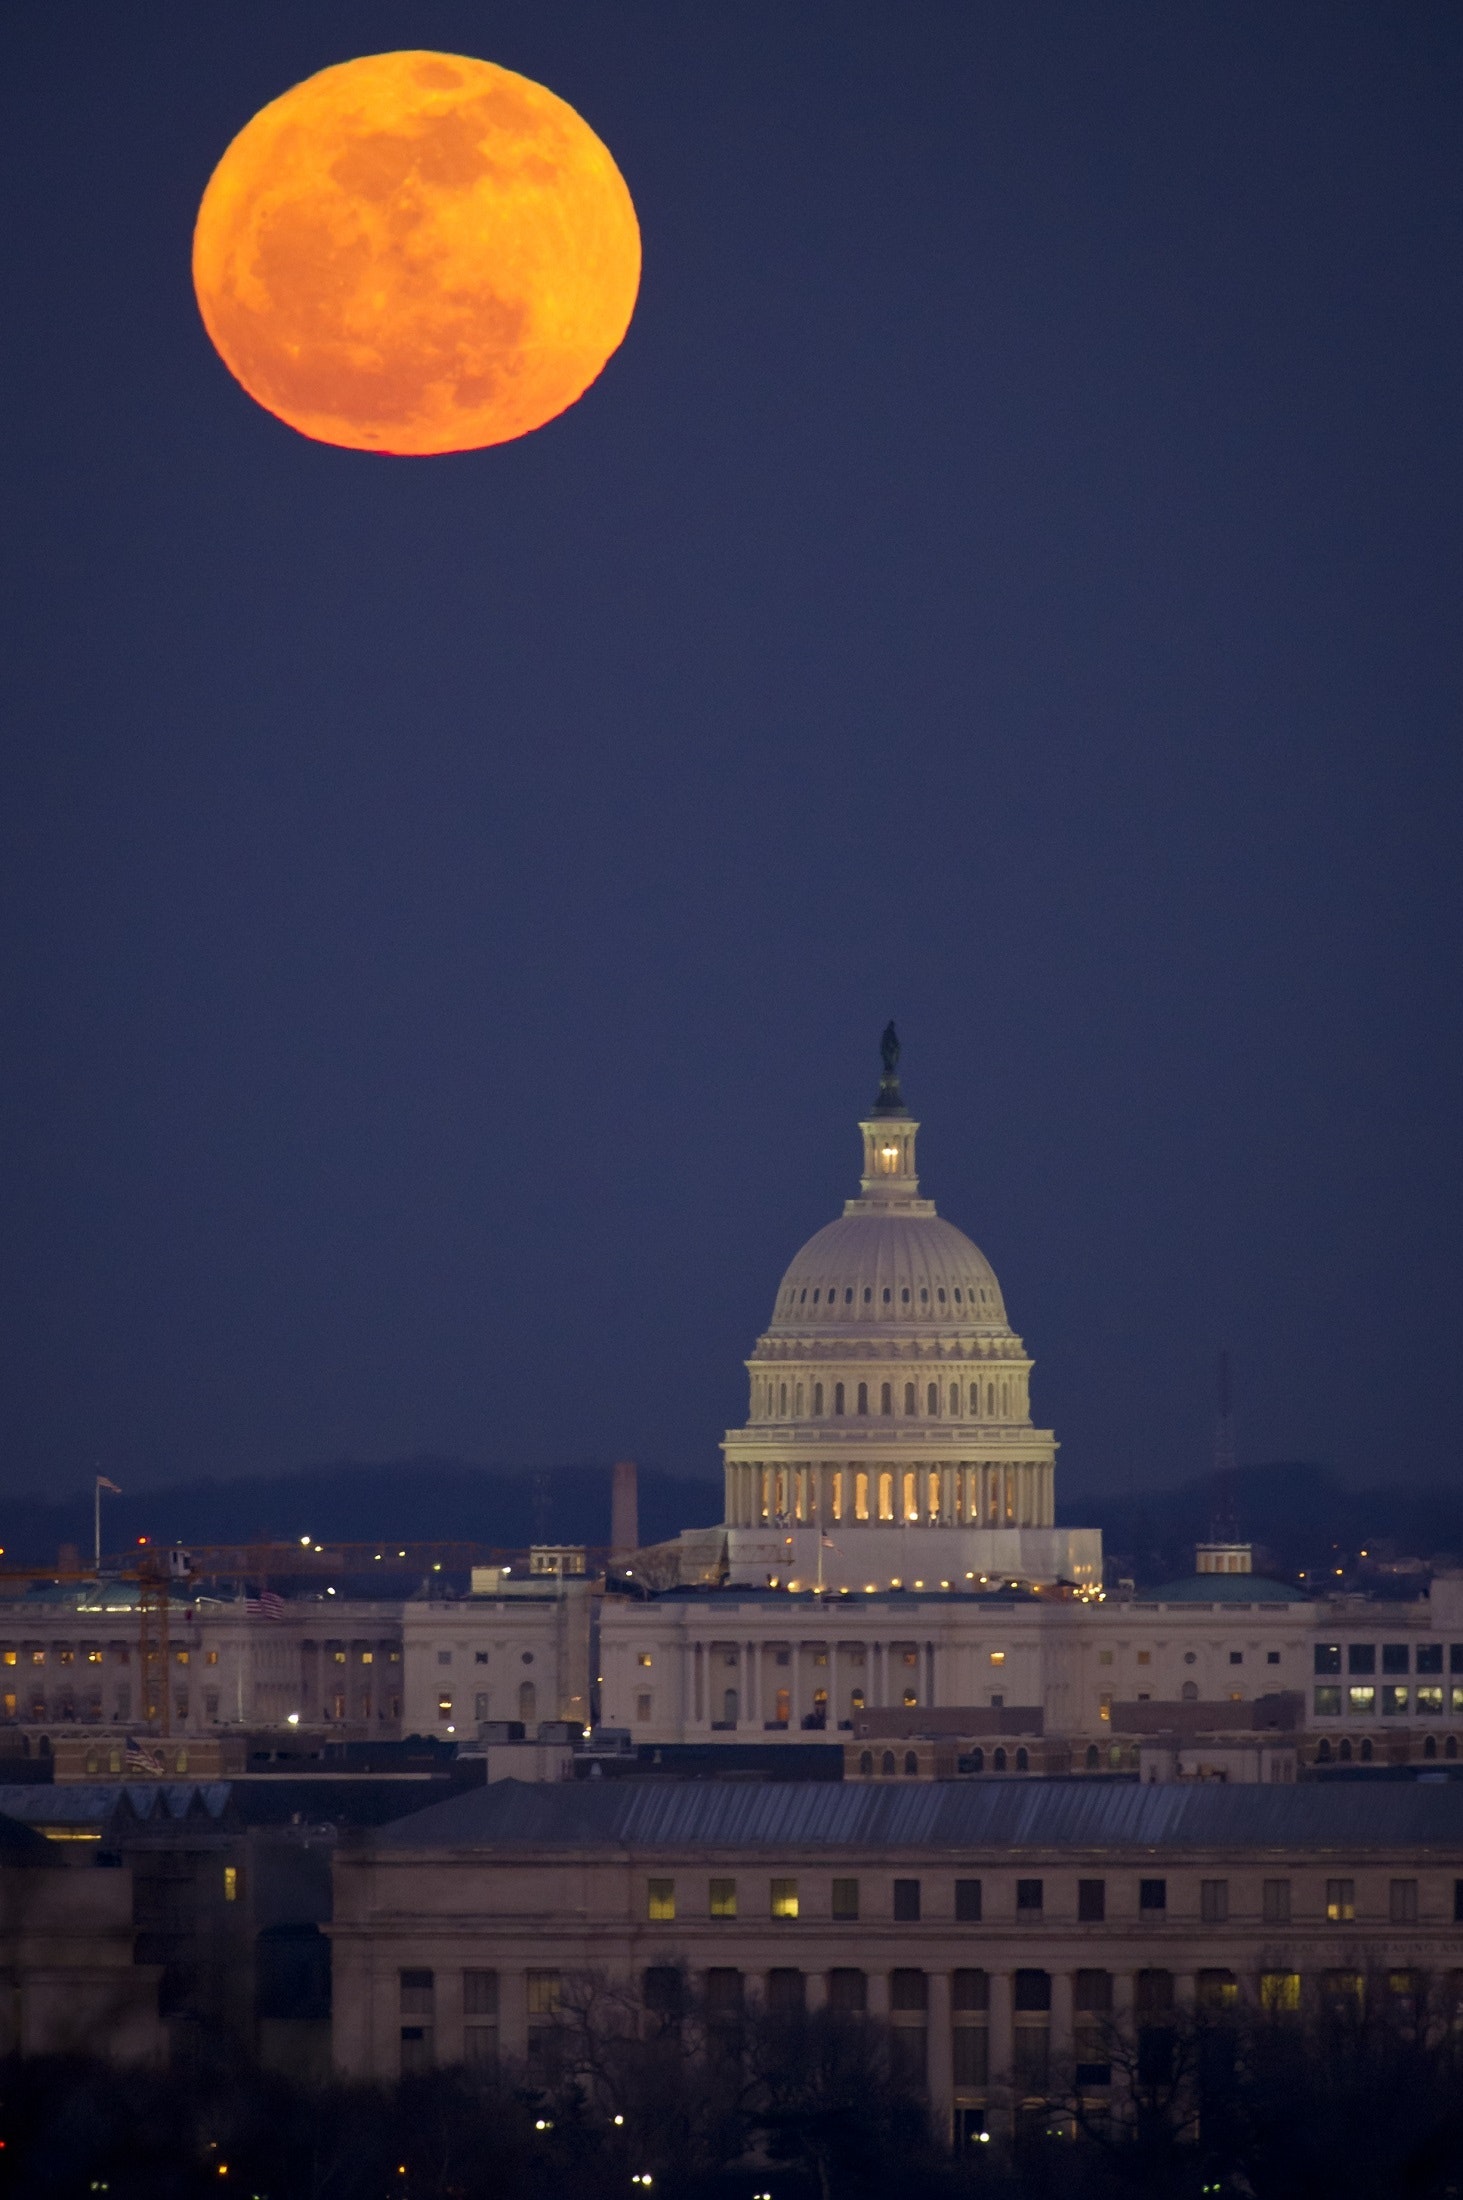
(1024, 1900)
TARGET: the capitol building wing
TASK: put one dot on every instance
(889, 1440)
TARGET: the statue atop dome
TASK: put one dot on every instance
(891, 1099)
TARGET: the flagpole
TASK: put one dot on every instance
(96, 1494)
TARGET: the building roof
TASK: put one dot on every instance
(90, 1803)
(1225, 1589)
(946, 1817)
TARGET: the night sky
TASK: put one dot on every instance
(1008, 580)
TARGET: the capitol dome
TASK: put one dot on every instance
(889, 1434)
(880, 1266)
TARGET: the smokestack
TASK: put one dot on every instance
(624, 1510)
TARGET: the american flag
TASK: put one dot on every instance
(142, 1759)
(269, 1604)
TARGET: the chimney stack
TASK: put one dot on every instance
(624, 1510)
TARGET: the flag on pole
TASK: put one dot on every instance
(269, 1604)
(104, 1484)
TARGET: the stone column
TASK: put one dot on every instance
(941, 2068)
(513, 2015)
(1062, 2017)
(1001, 2030)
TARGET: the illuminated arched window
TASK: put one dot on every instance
(861, 1497)
(911, 1497)
(886, 1497)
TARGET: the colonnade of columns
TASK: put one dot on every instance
(967, 1494)
(726, 1685)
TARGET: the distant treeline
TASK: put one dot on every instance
(1301, 1516)
(424, 1499)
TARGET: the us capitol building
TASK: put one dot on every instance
(889, 1441)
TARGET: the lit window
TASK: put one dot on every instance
(1340, 1901)
(722, 1897)
(231, 1883)
(1279, 1993)
(784, 1898)
(444, 1707)
(1362, 1702)
(661, 1900)
(643, 1658)
(1429, 1702)
(998, 1657)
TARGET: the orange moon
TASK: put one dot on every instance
(416, 253)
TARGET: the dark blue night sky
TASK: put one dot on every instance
(1009, 580)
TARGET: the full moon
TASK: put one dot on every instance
(416, 253)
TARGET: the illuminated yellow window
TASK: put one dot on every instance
(368, 1657)
(93, 1657)
(66, 1656)
(722, 1897)
(182, 1656)
(860, 1510)
(211, 1658)
(1340, 1901)
(231, 1883)
(660, 1904)
(998, 1657)
(1280, 1993)
(644, 1658)
(784, 1898)
(444, 1707)
(339, 1656)
(38, 1657)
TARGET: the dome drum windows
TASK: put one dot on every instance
(817, 1401)
(838, 1398)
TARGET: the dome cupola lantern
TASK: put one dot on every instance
(889, 1133)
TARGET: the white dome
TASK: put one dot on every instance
(888, 1268)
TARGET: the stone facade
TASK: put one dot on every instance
(1023, 1912)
